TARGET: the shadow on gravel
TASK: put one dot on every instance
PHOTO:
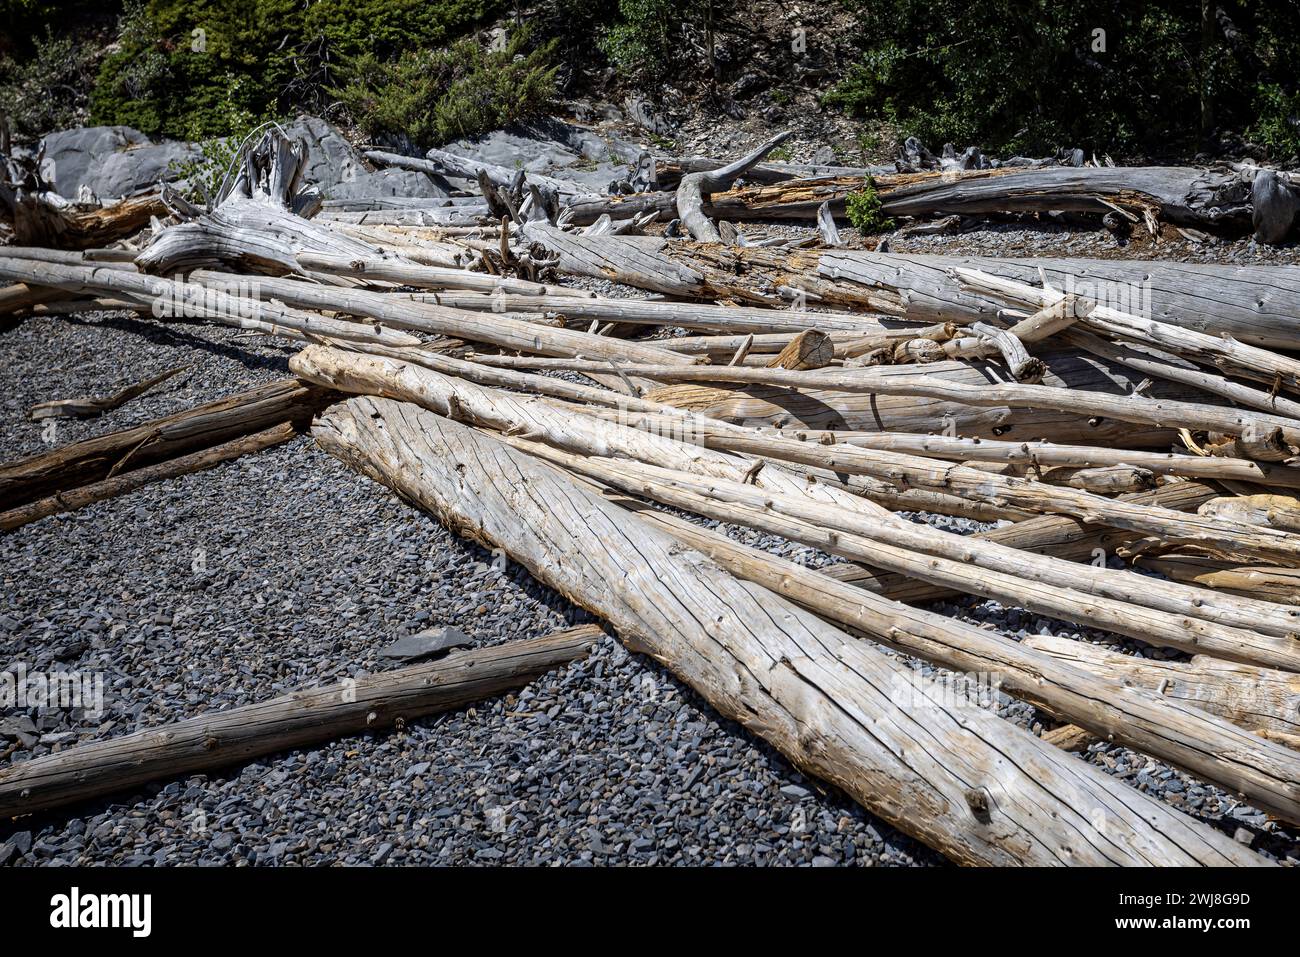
(172, 334)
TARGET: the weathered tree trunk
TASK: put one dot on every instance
(21, 296)
(47, 219)
(1207, 349)
(689, 315)
(1257, 699)
(808, 350)
(1079, 403)
(1062, 590)
(308, 716)
(1254, 304)
(529, 415)
(170, 298)
(568, 428)
(1047, 454)
(494, 329)
(76, 498)
(1264, 582)
(1229, 534)
(1198, 197)
(252, 224)
(812, 691)
(1044, 534)
(95, 459)
(1213, 750)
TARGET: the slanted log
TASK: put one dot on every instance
(307, 716)
(232, 301)
(981, 791)
(77, 498)
(1263, 582)
(1170, 727)
(494, 329)
(1258, 699)
(1205, 348)
(1054, 535)
(101, 457)
(1046, 586)
(1134, 408)
(810, 407)
(342, 371)
(1220, 532)
(1042, 455)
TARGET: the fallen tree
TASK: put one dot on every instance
(1254, 304)
(309, 716)
(1259, 699)
(104, 456)
(1249, 198)
(73, 499)
(812, 691)
(1179, 733)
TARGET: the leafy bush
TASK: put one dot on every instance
(434, 96)
(1016, 77)
(183, 65)
(1277, 121)
(865, 211)
(47, 91)
(646, 42)
(386, 28)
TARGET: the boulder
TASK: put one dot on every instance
(554, 148)
(331, 159)
(390, 182)
(109, 161)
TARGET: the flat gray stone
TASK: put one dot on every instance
(426, 644)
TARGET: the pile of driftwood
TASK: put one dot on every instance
(1093, 410)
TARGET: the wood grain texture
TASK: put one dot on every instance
(958, 779)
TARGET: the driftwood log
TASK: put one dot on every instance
(1090, 697)
(309, 716)
(253, 223)
(104, 456)
(980, 790)
(76, 498)
(1257, 699)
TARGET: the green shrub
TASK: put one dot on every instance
(48, 91)
(865, 210)
(645, 44)
(1017, 77)
(178, 61)
(1277, 121)
(183, 67)
(434, 96)
(386, 28)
